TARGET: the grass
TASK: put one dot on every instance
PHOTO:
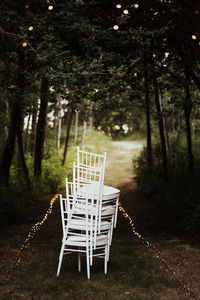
(134, 272)
(130, 274)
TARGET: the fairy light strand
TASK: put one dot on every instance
(186, 290)
(37, 225)
(30, 236)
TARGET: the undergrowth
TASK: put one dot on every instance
(178, 198)
(16, 200)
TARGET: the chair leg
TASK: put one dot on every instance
(90, 251)
(79, 262)
(116, 212)
(60, 259)
(88, 262)
(106, 260)
(108, 251)
(91, 258)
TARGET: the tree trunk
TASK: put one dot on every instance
(179, 126)
(83, 134)
(33, 130)
(148, 120)
(69, 124)
(163, 120)
(26, 133)
(58, 124)
(7, 113)
(173, 121)
(193, 127)
(15, 128)
(8, 150)
(187, 110)
(76, 126)
(41, 127)
(161, 129)
(58, 132)
(22, 162)
(6, 94)
(90, 113)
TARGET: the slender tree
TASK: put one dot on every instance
(41, 127)
(187, 110)
(33, 128)
(147, 107)
(161, 128)
(15, 128)
(76, 126)
(69, 124)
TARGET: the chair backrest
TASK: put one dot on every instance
(88, 180)
(90, 170)
(77, 206)
(92, 161)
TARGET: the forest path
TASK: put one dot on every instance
(119, 166)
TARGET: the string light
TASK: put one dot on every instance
(136, 5)
(30, 28)
(194, 37)
(30, 235)
(115, 27)
(157, 253)
(118, 6)
(50, 7)
(125, 11)
(37, 225)
(24, 44)
(27, 6)
(196, 12)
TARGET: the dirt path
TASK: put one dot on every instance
(119, 170)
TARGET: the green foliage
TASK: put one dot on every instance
(53, 175)
(15, 201)
(178, 199)
(96, 142)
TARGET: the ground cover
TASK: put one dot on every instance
(134, 272)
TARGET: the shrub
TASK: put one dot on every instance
(180, 197)
(15, 201)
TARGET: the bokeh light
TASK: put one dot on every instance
(115, 27)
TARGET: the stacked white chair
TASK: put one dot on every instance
(78, 222)
(89, 211)
(108, 202)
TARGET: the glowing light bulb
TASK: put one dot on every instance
(194, 37)
(24, 44)
(196, 12)
(50, 7)
(125, 11)
(118, 6)
(30, 28)
(115, 27)
(27, 6)
(136, 5)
